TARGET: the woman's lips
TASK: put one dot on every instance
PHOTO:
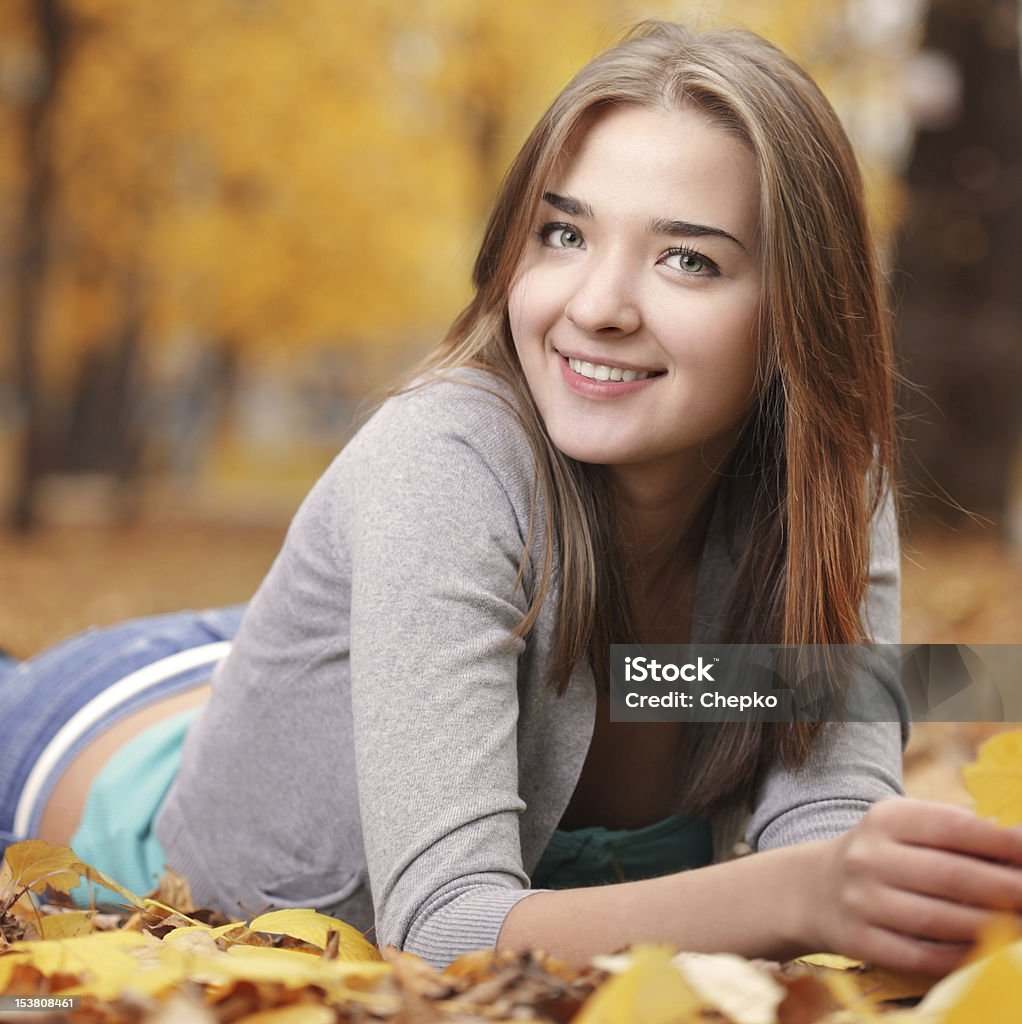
(592, 387)
(606, 371)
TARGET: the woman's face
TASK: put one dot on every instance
(634, 308)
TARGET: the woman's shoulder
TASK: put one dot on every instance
(467, 415)
(457, 399)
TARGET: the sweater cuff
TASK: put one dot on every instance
(821, 819)
(470, 921)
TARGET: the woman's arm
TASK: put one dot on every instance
(908, 888)
(440, 496)
(363, 737)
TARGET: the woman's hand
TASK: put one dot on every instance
(911, 884)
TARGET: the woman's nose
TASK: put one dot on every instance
(604, 299)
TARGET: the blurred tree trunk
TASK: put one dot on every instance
(960, 274)
(105, 431)
(32, 259)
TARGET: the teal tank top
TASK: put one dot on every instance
(600, 856)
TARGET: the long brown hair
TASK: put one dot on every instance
(817, 454)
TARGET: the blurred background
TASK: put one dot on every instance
(223, 223)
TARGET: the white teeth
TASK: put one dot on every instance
(600, 371)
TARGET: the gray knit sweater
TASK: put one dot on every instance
(376, 747)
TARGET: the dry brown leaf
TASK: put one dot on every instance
(807, 999)
(173, 891)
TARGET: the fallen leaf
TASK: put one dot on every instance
(652, 990)
(995, 779)
(984, 992)
(315, 928)
(173, 890)
(9, 963)
(807, 1000)
(874, 984)
(108, 963)
(740, 990)
(833, 961)
(68, 924)
(303, 1013)
(182, 1010)
(38, 866)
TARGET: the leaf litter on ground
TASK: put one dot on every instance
(162, 960)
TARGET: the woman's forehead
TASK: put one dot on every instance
(663, 163)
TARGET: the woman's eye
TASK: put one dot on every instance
(690, 262)
(561, 236)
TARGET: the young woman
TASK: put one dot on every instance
(665, 416)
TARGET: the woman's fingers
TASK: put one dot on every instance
(920, 823)
(952, 876)
(905, 953)
(914, 882)
(924, 917)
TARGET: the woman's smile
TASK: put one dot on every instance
(599, 380)
(634, 309)
(603, 371)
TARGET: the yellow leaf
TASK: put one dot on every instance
(149, 903)
(303, 1013)
(68, 924)
(651, 991)
(107, 964)
(995, 780)
(272, 964)
(832, 961)
(873, 984)
(295, 970)
(315, 928)
(879, 985)
(845, 992)
(279, 959)
(38, 866)
(193, 939)
(996, 987)
(177, 934)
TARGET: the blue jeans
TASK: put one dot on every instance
(54, 704)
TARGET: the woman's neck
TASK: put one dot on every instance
(663, 530)
(663, 523)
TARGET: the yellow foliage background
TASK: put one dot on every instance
(281, 175)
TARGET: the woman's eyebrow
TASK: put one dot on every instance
(686, 229)
(566, 204)
(675, 228)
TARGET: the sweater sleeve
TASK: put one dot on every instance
(854, 764)
(436, 547)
